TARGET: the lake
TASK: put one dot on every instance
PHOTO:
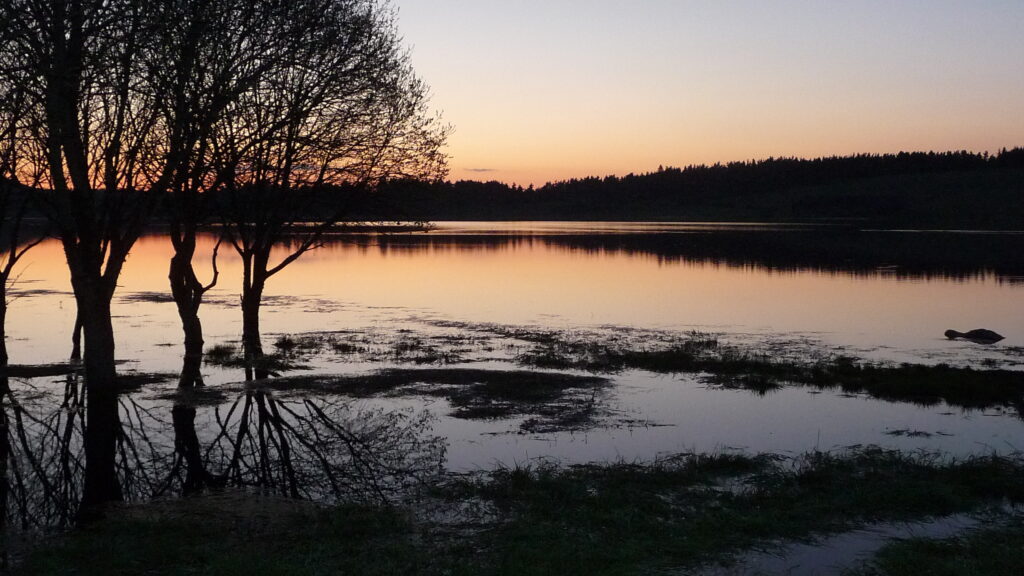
(478, 297)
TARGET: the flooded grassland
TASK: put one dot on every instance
(514, 382)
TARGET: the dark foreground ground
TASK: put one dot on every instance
(683, 515)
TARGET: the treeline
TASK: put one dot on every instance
(947, 188)
(926, 189)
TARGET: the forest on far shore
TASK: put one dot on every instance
(921, 189)
(936, 190)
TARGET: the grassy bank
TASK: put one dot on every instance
(677, 513)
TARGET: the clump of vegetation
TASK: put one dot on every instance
(550, 401)
(346, 347)
(734, 367)
(416, 350)
(987, 552)
(220, 354)
(229, 356)
(148, 297)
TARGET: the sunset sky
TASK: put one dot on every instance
(541, 90)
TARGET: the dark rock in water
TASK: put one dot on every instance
(979, 336)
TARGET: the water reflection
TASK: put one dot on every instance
(903, 255)
(316, 448)
(43, 468)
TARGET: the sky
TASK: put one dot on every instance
(543, 90)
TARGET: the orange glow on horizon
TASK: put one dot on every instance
(547, 91)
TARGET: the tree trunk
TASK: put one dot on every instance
(76, 338)
(100, 369)
(102, 421)
(252, 295)
(3, 331)
(192, 364)
(188, 296)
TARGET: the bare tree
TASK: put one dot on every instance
(204, 55)
(119, 104)
(262, 98)
(78, 64)
(15, 164)
(339, 111)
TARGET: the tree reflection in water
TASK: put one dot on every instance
(317, 448)
(44, 462)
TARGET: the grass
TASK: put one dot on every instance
(399, 346)
(283, 540)
(230, 356)
(611, 350)
(550, 401)
(610, 519)
(40, 370)
(626, 519)
(987, 552)
(732, 367)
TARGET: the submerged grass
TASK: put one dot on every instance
(732, 367)
(609, 350)
(40, 370)
(399, 346)
(674, 514)
(996, 551)
(231, 356)
(550, 401)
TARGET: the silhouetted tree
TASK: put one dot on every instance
(96, 129)
(76, 62)
(122, 103)
(338, 111)
(14, 164)
(204, 57)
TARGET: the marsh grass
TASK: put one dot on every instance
(40, 370)
(231, 356)
(994, 551)
(762, 371)
(674, 514)
(610, 350)
(134, 381)
(220, 354)
(400, 346)
(247, 538)
(549, 401)
(626, 518)
(147, 297)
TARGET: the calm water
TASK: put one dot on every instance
(886, 302)
(796, 289)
